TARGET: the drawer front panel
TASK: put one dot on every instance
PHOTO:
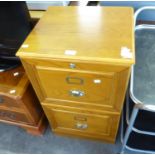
(13, 116)
(10, 80)
(82, 122)
(8, 102)
(92, 88)
(77, 65)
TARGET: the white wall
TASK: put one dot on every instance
(43, 5)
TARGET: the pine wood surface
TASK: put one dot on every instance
(97, 35)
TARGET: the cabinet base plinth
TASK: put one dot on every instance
(84, 136)
(36, 130)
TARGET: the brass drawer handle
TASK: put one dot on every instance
(80, 118)
(74, 80)
(76, 93)
(81, 126)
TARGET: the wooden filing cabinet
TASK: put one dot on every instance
(78, 60)
(19, 104)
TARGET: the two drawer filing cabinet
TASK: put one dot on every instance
(78, 60)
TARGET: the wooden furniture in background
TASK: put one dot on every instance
(37, 14)
(73, 60)
(18, 102)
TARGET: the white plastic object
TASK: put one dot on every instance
(15, 73)
(13, 91)
(70, 52)
(126, 53)
(97, 81)
(25, 46)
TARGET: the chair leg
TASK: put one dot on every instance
(129, 129)
(122, 126)
(127, 107)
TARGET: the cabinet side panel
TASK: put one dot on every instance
(32, 105)
(123, 80)
(30, 70)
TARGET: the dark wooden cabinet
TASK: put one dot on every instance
(19, 104)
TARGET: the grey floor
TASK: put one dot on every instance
(15, 140)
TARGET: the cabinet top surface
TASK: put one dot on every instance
(84, 33)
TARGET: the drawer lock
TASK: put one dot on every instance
(76, 93)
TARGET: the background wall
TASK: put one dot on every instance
(43, 5)
(147, 15)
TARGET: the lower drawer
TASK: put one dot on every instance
(13, 116)
(8, 102)
(82, 123)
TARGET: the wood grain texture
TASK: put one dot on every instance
(96, 33)
(79, 64)
(81, 81)
(22, 107)
(36, 14)
(98, 96)
(14, 116)
(100, 126)
(14, 79)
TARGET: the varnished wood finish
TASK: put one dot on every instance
(18, 102)
(97, 35)
(68, 80)
(14, 79)
(80, 65)
(66, 120)
(36, 14)
(117, 77)
(13, 116)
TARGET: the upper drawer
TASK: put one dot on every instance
(13, 82)
(77, 65)
(93, 88)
